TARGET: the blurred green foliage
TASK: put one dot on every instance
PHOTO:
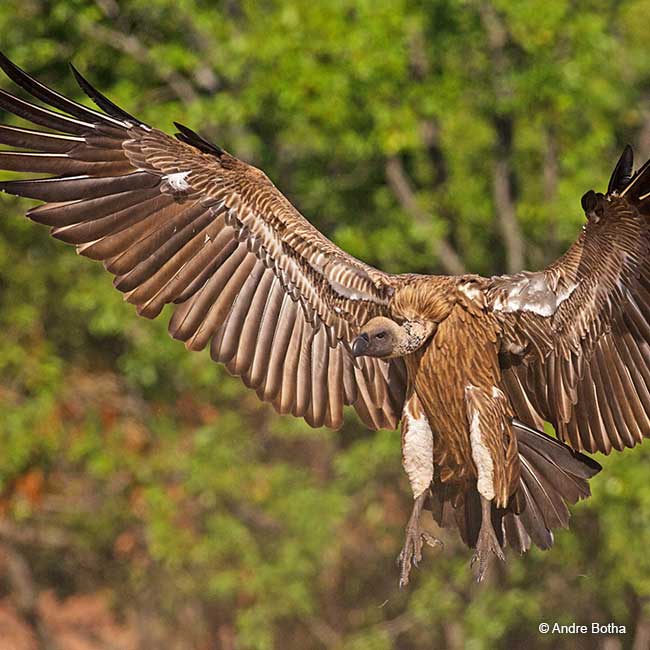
(393, 126)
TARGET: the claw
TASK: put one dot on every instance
(486, 545)
(411, 554)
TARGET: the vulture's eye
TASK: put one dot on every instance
(381, 335)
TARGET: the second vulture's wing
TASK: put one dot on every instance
(576, 348)
(179, 220)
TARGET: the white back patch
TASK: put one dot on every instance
(533, 293)
(417, 451)
(470, 291)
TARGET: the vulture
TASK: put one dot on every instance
(471, 368)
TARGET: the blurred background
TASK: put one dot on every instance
(147, 500)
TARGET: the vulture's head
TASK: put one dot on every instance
(384, 338)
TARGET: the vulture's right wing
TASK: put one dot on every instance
(179, 220)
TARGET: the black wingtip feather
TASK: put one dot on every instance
(11, 69)
(5, 63)
(194, 139)
(19, 76)
(622, 174)
(51, 97)
(101, 100)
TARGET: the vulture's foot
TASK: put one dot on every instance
(411, 553)
(487, 543)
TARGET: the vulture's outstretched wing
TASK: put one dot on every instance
(179, 220)
(577, 335)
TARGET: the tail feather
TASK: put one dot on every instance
(557, 452)
(549, 502)
(532, 520)
(552, 476)
(516, 533)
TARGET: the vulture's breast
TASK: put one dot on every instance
(462, 353)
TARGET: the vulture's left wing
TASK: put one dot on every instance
(179, 220)
(576, 349)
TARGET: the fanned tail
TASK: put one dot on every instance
(552, 476)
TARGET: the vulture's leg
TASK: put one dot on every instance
(417, 459)
(487, 542)
(415, 539)
(487, 414)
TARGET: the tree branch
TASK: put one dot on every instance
(24, 594)
(642, 633)
(44, 536)
(643, 142)
(502, 189)
(507, 215)
(430, 134)
(322, 631)
(551, 175)
(403, 191)
(131, 45)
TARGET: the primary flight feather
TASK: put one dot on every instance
(471, 367)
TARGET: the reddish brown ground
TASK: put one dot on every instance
(77, 623)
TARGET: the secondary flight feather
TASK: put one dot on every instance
(471, 367)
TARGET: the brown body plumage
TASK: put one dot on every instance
(472, 367)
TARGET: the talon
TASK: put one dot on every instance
(411, 554)
(486, 544)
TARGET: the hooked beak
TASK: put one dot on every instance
(360, 345)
